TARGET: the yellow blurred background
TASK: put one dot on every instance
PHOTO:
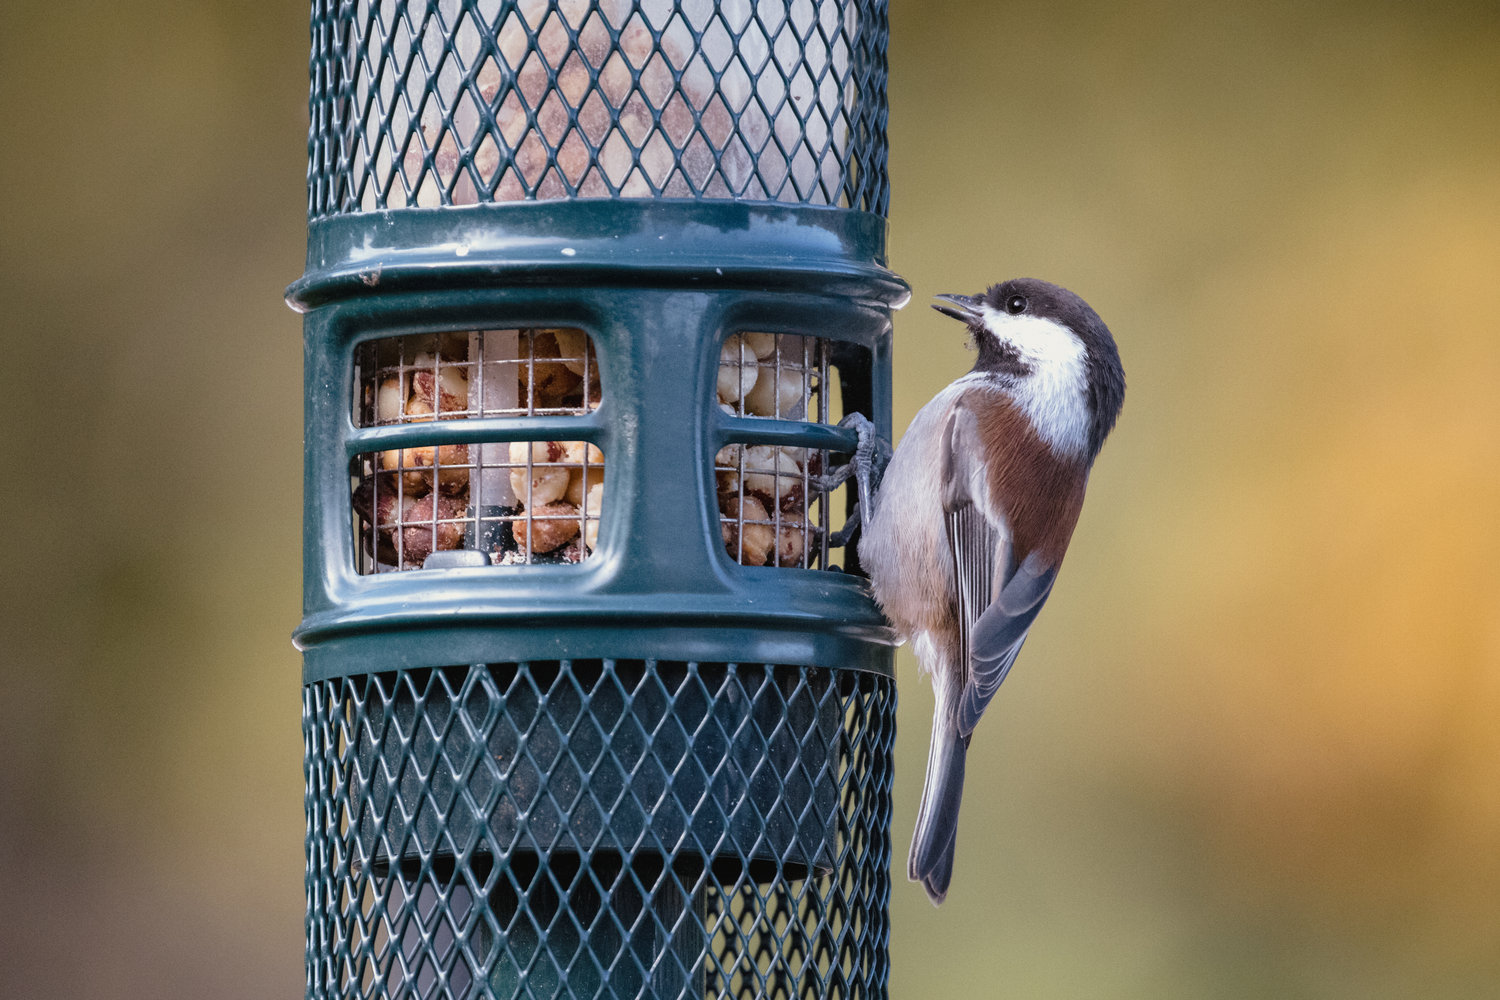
(1253, 746)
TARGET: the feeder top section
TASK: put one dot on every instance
(430, 103)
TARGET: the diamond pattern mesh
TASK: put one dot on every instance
(455, 102)
(599, 828)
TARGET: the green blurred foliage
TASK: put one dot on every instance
(1251, 747)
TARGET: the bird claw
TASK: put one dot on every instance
(846, 534)
(867, 467)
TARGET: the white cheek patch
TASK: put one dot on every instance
(1055, 394)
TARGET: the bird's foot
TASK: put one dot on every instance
(866, 467)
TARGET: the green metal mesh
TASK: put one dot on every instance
(457, 102)
(599, 829)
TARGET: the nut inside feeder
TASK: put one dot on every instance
(506, 503)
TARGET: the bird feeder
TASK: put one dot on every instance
(596, 702)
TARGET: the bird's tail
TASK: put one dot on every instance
(931, 859)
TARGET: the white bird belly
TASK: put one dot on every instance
(904, 547)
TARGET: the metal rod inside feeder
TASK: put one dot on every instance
(493, 357)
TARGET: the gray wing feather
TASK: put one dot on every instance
(998, 634)
(998, 601)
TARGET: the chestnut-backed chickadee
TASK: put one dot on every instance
(975, 511)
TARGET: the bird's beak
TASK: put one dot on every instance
(964, 308)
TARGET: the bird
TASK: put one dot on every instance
(975, 511)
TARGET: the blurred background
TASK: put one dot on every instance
(1252, 747)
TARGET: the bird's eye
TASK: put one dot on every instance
(1016, 304)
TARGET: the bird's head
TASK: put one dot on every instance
(1053, 354)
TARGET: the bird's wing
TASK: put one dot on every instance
(998, 597)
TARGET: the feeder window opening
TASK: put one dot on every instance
(503, 503)
(776, 508)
